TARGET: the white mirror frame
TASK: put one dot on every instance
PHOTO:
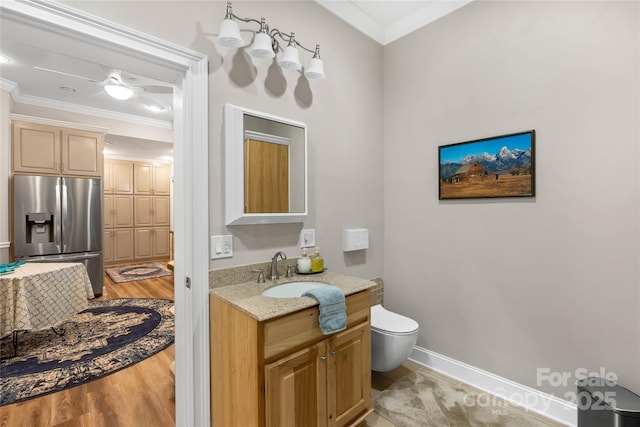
(234, 134)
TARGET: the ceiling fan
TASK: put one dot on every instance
(118, 87)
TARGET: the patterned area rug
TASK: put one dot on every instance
(105, 338)
(423, 400)
(129, 273)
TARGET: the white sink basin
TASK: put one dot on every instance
(291, 289)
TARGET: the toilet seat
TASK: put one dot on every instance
(388, 322)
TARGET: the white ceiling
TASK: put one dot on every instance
(77, 87)
(386, 21)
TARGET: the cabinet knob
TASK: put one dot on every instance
(323, 358)
(334, 353)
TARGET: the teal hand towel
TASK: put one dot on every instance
(333, 309)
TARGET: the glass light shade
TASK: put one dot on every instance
(121, 93)
(229, 34)
(262, 47)
(290, 58)
(315, 69)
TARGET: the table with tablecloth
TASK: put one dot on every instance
(42, 295)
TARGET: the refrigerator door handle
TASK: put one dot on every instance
(63, 257)
(57, 220)
(65, 212)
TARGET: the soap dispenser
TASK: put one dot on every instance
(317, 262)
(304, 263)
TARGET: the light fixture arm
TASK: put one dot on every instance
(266, 44)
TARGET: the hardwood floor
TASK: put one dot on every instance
(139, 396)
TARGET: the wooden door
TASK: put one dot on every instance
(121, 177)
(349, 375)
(266, 177)
(122, 244)
(82, 153)
(160, 210)
(107, 215)
(142, 178)
(123, 210)
(36, 148)
(296, 393)
(161, 245)
(143, 243)
(107, 181)
(107, 247)
(161, 179)
(143, 209)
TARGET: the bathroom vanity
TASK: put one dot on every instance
(272, 366)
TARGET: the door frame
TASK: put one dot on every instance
(188, 71)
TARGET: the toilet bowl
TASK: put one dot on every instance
(392, 338)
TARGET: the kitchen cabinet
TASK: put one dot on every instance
(118, 177)
(151, 243)
(285, 372)
(151, 211)
(118, 211)
(51, 150)
(152, 179)
(118, 245)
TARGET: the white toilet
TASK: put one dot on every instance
(392, 338)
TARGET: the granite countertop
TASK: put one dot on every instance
(248, 297)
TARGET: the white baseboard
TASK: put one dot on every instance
(533, 400)
(5, 245)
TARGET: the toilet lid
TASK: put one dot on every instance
(387, 321)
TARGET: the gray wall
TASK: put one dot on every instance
(513, 285)
(343, 114)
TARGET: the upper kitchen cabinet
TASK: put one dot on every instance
(118, 177)
(151, 179)
(52, 150)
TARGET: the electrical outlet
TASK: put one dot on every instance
(307, 238)
(221, 246)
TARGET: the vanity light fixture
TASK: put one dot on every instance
(266, 44)
(4, 59)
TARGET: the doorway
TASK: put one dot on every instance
(68, 31)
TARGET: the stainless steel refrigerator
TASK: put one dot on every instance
(59, 219)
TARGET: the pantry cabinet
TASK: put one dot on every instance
(118, 177)
(51, 150)
(134, 198)
(285, 372)
(118, 245)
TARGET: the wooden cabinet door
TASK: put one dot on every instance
(143, 209)
(143, 243)
(122, 210)
(296, 389)
(160, 210)
(161, 179)
(142, 178)
(161, 245)
(82, 152)
(107, 213)
(266, 177)
(122, 244)
(349, 375)
(121, 176)
(107, 246)
(36, 148)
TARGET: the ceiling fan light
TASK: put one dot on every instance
(229, 34)
(121, 93)
(261, 47)
(290, 58)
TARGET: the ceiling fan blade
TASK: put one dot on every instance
(67, 74)
(156, 88)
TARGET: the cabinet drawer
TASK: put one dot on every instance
(299, 329)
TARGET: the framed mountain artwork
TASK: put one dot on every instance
(500, 166)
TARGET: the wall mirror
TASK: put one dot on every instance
(265, 168)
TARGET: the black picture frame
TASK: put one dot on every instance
(494, 167)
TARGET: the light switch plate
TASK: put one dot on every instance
(308, 238)
(221, 246)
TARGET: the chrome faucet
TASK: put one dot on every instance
(274, 264)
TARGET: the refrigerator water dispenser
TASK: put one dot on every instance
(39, 227)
